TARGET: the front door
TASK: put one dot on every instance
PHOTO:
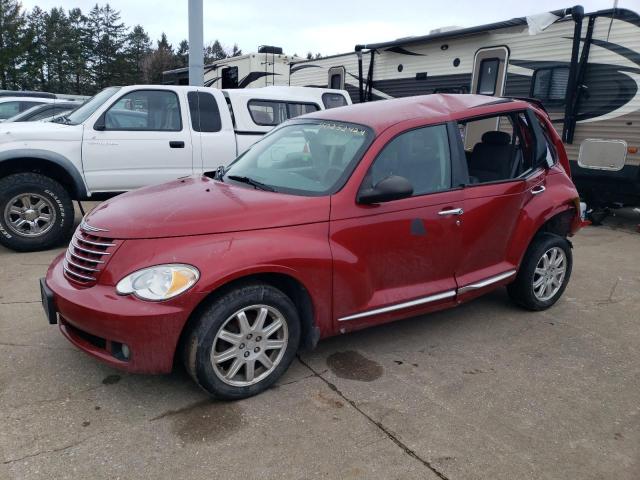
(142, 139)
(398, 258)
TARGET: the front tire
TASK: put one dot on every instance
(544, 273)
(243, 342)
(36, 212)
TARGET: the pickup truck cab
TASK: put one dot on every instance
(129, 137)
(336, 221)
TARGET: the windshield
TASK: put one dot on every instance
(309, 158)
(83, 112)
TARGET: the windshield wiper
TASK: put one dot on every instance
(252, 182)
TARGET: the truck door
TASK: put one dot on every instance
(214, 141)
(143, 138)
(488, 78)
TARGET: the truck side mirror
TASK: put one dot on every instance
(100, 125)
(599, 154)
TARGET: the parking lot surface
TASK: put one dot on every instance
(485, 390)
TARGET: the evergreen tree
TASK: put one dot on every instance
(33, 69)
(79, 51)
(214, 51)
(182, 55)
(12, 42)
(236, 52)
(163, 58)
(137, 50)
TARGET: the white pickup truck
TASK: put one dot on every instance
(128, 137)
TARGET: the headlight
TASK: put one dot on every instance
(160, 282)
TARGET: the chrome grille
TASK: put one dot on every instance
(86, 255)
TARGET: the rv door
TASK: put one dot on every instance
(488, 78)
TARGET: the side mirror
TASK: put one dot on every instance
(100, 125)
(393, 187)
(597, 154)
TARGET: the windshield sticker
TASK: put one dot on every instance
(338, 127)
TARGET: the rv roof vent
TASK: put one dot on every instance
(450, 28)
(270, 49)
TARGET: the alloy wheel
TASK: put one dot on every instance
(29, 214)
(549, 274)
(249, 345)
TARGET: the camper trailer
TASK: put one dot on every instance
(584, 68)
(266, 68)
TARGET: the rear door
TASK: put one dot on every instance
(214, 141)
(143, 138)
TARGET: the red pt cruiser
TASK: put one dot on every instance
(335, 221)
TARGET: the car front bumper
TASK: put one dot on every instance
(122, 331)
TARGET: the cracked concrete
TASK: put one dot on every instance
(482, 391)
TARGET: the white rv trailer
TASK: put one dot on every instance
(584, 68)
(268, 67)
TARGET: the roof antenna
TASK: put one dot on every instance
(615, 7)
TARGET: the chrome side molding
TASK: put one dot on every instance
(487, 281)
(400, 306)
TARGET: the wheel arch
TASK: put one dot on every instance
(287, 283)
(49, 164)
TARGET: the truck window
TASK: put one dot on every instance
(274, 112)
(333, 100)
(205, 116)
(145, 110)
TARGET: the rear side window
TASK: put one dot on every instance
(488, 78)
(145, 110)
(333, 100)
(205, 115)
(421, 156)
(9, 109)
(550, 84)
(273, 112)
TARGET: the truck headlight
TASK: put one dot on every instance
(160, 282)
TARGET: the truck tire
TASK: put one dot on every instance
(243, 342)
(544, 273)
(36, 212)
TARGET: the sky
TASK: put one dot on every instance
(326, 27)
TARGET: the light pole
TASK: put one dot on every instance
(196, 47)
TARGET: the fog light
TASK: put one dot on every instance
(125, 351)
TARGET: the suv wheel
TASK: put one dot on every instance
(544, 273)
(243, 342)
(36, 212)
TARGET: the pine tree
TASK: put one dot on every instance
(33, 69)
(12, 42)
(79, 50)
(138, 48)
(214, 51)
(236, 52)
(182, 55)
(163, 58)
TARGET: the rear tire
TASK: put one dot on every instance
(544, 273)
(231, 361)
(36, 212)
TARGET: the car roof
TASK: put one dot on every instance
(380, 115)
(27, 99)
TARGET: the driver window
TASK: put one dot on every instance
(145, 110)
(421, 156)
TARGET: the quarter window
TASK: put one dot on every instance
(145, 110)
(421, 156)
(273, 112)
(205, 116)
(550, 84)
(488, 78)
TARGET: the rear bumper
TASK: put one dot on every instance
(100, 322)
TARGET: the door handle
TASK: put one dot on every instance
(451, 211)
(537, 190)
(176, 144)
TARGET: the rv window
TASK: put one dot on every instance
(271, 112)
(488, 76)
(205, 116)
(421, 156)
(336, 78)
(336, 81)
(333, 100)
(230, 77)
(550, 84)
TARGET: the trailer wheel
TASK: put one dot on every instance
(36, 212)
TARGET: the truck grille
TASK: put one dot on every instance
(87, 254)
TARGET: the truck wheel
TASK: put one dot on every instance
(243, 342)
(36, 212)
(544, 273)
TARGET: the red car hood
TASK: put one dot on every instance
(200, 205)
